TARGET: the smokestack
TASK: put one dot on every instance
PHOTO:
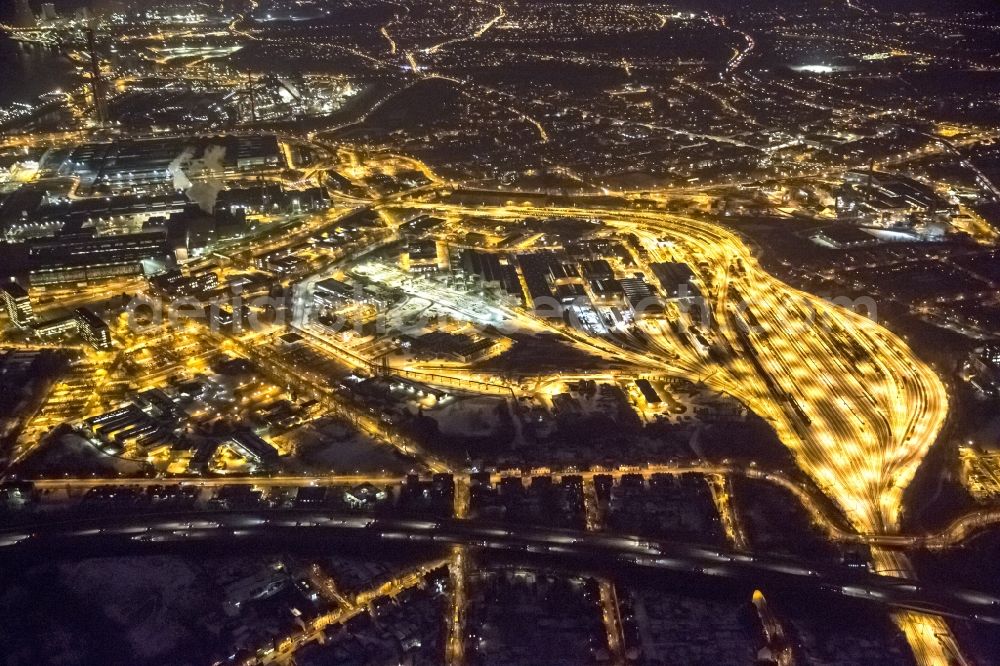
(871, 179)
(24, 17)
(253, 109)
(96, 83)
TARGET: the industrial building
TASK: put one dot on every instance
(17, 304)
(82, 258)
(93, 329)
(674, 278)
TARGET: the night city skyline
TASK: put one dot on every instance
(500, 332)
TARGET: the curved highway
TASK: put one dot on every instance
(292, 529)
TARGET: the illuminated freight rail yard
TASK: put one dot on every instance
(860, 438)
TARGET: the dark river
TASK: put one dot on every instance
(29, 70)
